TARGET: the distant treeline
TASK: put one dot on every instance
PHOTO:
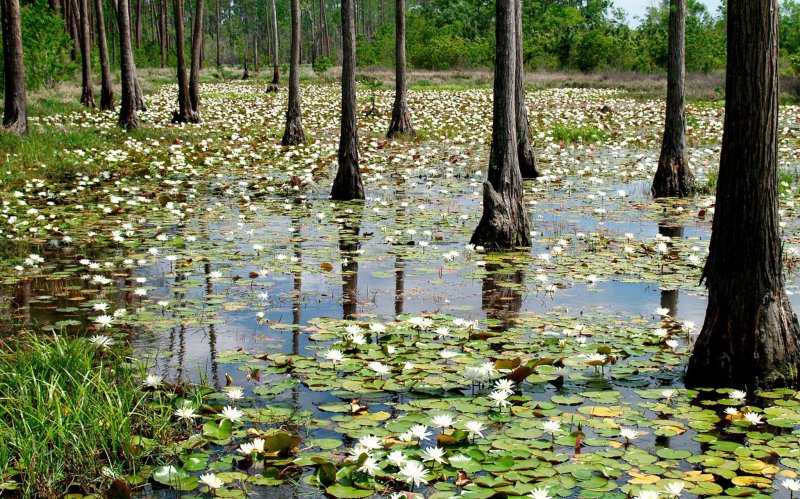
(583, 35)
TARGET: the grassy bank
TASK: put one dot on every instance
(69, 413)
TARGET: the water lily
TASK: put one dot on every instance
(103, 321)
(539, 494)
(186, 413)
(500, 398)
(628, 434)
(234, 393)
(414, 472)
(212, 481)
(738, 395)
(232, 414)
(647, 494)
(475, 428)
(371, 442)
(433, 454)
(397, 458)
(369, 466)
(420, 432)
(102, 341)
(442, 420)
(674, 489)
(753, 418)
(153, 380)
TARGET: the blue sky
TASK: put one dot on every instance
(637, 7)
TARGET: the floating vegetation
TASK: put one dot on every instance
(365, 349)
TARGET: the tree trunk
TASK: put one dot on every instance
(255, 52)
(504, 224)
(348, 185)
(401, 117)
(751, 337)
(74, 28)
(217, 34)
(106, 88)
(527, 158)
(184, 113)
(294, 134)
(501, 298)
(128, 117)
(15, 110)
(163, 40)
(87, 90)
(348, 247)
(673, 176)
(197, 55)
(276, 74)
(138, 30)
(326, 40)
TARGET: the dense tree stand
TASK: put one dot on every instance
(347, 185)
(401, 117)
(294, 134)
(184, 114)
(673, 177)
(15, 110)
(526, 156)
(751, 337)
(504, 224)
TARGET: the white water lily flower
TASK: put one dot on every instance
(245, 449)
(420, 432)
(505, 385)
(539, 494)
(731, 411)
(232, 413)
(187, 413)
(433, 454)
(369, 466)
(475, 428)
(791, 484)
(500, 398)
(414, 472)
(379, 367)
(258, 445)
(738, 395)
(153, 380)
(104, 321)
(674, 489)
(334, 355)
(648, 494)
(234, 393)
(377, 328)
(397, 458)
(662, 311)
(442, 420)
(551, 427)
(628, 433)
(753, 418)
(352, 329)
(102, 341)
(212, 481)
(371, 442)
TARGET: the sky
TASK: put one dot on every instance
(637, 7)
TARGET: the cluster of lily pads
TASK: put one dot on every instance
(366, 349)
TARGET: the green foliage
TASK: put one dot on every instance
(578, 133)
(46, 46)
(322, 65)
(68, 411)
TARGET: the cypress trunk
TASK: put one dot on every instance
(527, 159)
(401, 117)
(276, 74)
(15, 110)
(87, 90)
(197, 57)
(128, 117)
(294, 134)
(163, 39)
(106, 88)
(750, 337)
(504, 224)
(673, 176)
(184, 113)
(217, 34)
(348, 185)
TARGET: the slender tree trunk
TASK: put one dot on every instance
(294, 134)
(163, 40)
(527, 158)
(348, 185)
(15, 109)
(128, 117)
(751, 337)
(255, 52)
(217, 22)
(197, 57)
(87, 90)
(138, 32)
(137, 86)
(673, 176)
(276, 74)
(106, 88)
(74, 21)
(401, 116)
(504, 224)
(153, 23)
(324, 26)
(184, 113)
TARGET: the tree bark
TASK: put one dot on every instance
(217, 34)
(347, 185)
(87, 90)
(15, 108)
(294, 134)
(128, 116)
(138, 30)
(504, 224)
(326, 36)
(74, 28)
(106, 85)
(184, 113)
(197, 56)
(401, 116)
(527, 158)
(276, 74)
(673, 177)
(163, 24)
(750, 337)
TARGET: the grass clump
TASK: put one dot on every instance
(69, 412)
(579, 133)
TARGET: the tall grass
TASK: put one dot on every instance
(68, 412)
